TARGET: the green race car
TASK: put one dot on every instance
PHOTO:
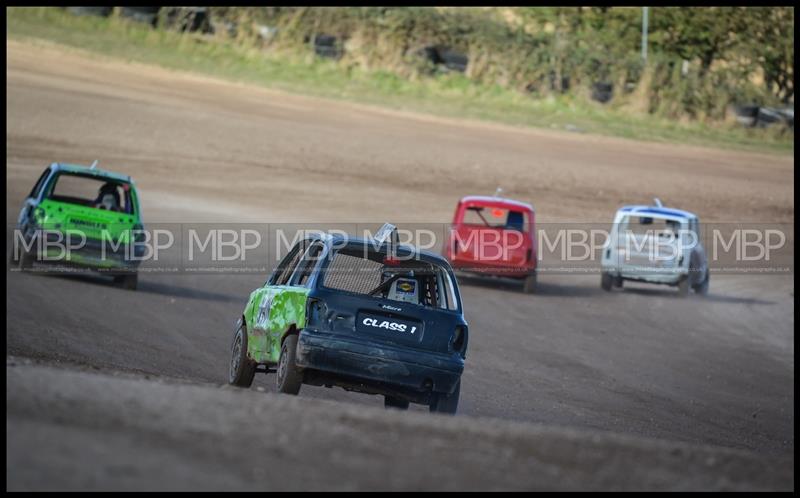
(78, 216)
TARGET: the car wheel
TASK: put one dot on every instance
(128, 282)
(606, 281)
(618, 282)
(529, 285)
(683, 287)
(289, 378)
(702, 288)
(242, 369)
(392, 402)
(13, 259)
(446, 403)
(25, 260)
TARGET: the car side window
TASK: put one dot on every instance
(450, 301)
(306, 266)
(37, 188)
(287, 265)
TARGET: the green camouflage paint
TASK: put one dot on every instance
(271, 311)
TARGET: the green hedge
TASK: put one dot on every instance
(545, 46)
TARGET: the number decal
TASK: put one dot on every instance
(263, 310)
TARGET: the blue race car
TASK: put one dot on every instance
(377, 318)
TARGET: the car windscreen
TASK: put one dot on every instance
(91, 191)
(360, 270)
(495, 217)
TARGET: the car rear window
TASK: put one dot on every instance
(496, 217)
(414, 281)
(92, 192)
(645, 225)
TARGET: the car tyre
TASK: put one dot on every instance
(242, 369)
(25, 260)
(529, 285)
(128, 282)
(683, 287)
(606, 281)
(446, 403)
(702, 288)
(398, 403)
(289, 377)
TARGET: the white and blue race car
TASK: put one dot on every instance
(658, 245)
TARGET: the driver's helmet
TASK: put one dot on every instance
(515, 221)
(108, 197)
(673, 225)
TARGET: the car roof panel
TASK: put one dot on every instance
(85, 170)
(360, 241)
(495, 201)
(659, 211)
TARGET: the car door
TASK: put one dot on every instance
(258, 313)
(287, 297)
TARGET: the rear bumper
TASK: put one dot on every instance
(672, 280)
(93, 254)
(666, 276)
(373, 363)
(495, 269)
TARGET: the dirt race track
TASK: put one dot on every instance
(640, 362)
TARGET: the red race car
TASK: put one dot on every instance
(494, 236)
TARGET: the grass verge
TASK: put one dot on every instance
(451, 95)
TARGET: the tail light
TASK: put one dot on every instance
(458, 343)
